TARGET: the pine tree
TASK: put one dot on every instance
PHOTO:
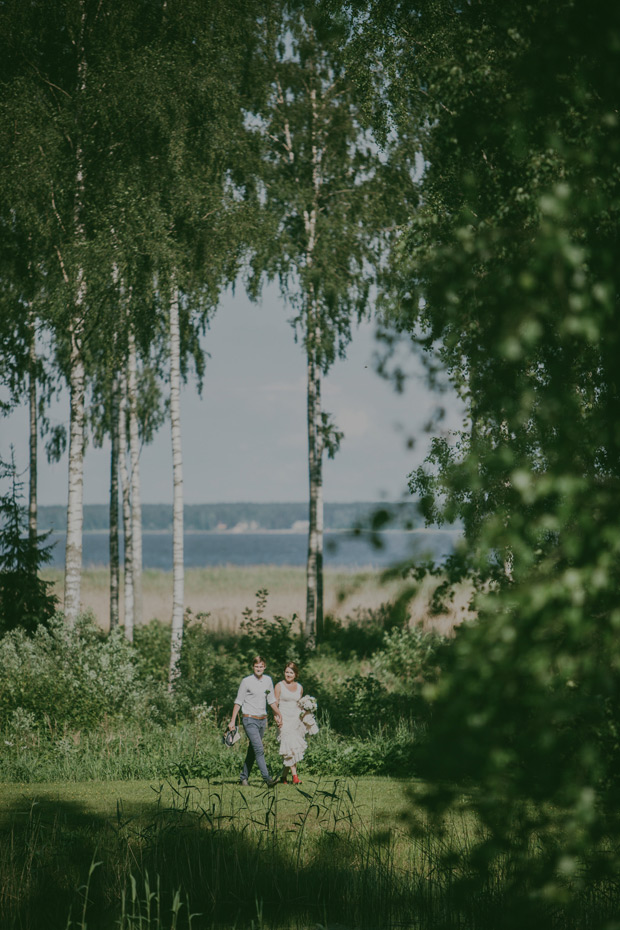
(25, 598)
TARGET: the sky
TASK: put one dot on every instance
(245, 439)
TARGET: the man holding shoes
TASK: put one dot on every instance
(255, 692)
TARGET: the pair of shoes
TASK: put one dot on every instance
(296, 780)
(271, 782)
(244, 782)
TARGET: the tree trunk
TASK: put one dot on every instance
(314, 564)
(314, 570)
(73, 554)
(32, 400)
(127, 524)
(136, 506)
(176, 639)
(114, 515)
(75, 502)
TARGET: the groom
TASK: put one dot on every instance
(255, 692)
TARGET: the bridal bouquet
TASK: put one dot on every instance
(307, 707)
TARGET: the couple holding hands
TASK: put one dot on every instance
(294, 719)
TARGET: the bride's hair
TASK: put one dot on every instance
(293, 666)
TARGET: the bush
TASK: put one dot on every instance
(408, 657)
(69, 677)
(385, 752)
(274, 639)
(360, 634)
(211, 668)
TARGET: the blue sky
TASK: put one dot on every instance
(245, 438)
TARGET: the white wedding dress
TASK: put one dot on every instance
(292, 732)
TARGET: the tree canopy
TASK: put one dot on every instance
(507, 277)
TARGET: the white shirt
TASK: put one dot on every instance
(253, 695)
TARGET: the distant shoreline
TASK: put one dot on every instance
(284, 532)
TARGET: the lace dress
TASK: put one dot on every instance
(292, 733)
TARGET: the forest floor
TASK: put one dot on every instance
(224, 592)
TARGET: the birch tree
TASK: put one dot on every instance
(114, 505)
(325, 186)
(178, 590)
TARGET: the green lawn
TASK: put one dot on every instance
(343, 845)
(384, 802)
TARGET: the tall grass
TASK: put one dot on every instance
(216, 857)
(223, 591)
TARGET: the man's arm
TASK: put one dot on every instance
(237, 705)
(233, 719)
(272, 700)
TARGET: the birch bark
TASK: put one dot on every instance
(136, 506)
(176, 639)
(32, 403)
(314, 565)
(75, 501)
(114, 515)
(128, 617)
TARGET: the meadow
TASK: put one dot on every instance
(120, 805)
(336, 852)
(222, 593)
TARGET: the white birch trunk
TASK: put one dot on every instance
(178, 595)
(136, 506)
(314, 564)
(114, 515)
(32, 402)
(75, 502)
(127, 523)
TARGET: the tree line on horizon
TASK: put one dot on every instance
(360, 516)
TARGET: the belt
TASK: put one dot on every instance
(254, 717)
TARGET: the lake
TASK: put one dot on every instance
(342, 549)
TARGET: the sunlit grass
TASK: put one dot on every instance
(334, 850)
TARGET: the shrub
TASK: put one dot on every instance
(408, 657)
(152, 643)
(211, 668)
(68, 676)
(275, 638)
(384, 752)
(360, 634)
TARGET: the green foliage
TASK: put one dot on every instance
(390, 750)
(25, 598)
(508, 279)
(272, 638)
(359, 635)
(407, 658)
(210, 670)
(68, 678)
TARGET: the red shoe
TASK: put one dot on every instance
(296, 780)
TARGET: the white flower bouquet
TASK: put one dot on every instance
(307, 708)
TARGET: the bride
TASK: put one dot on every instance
(292, 730)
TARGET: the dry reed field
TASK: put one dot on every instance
(224, 592)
